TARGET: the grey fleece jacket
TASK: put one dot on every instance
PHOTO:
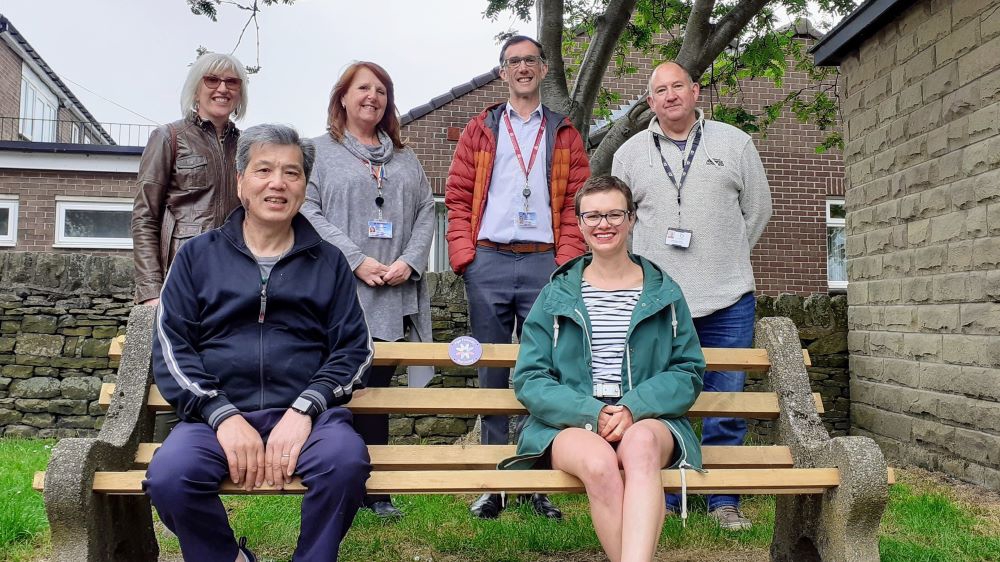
(725, 202)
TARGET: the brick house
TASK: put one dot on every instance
(806, 229)
(920, 102)
(65, 183)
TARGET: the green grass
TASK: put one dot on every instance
(929, 527)
(924, 521)
(23, 526)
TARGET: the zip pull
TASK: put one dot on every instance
(673, 322)
(555, 328)
(263, 303)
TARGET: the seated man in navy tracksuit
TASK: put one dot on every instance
(259, 339)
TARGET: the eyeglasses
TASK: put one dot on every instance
(212, 82)
(614, 218)
(530, 61)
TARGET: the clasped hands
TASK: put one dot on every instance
(251, 463)
(613, 421)
(376, 274)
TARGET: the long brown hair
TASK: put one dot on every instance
(336, 120)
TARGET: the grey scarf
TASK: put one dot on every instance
(380, 154)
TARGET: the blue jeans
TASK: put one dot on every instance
(730, 327)
(501, 287)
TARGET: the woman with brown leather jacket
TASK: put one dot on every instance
(187, 175)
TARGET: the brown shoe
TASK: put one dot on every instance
(730, 518)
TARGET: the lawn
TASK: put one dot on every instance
(928, 519)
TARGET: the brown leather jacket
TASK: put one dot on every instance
(184, 189)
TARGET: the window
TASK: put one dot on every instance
(96, 222)
(8, 220)
(439, 244)
(38, 108)
(836, 236)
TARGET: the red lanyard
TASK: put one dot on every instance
(517, 148)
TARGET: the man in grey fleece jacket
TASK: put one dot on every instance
(703, 203)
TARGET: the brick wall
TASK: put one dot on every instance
(923, 158)
(791, 255)
(37, 190)
(10, 82)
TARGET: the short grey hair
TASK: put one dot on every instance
(213, 63)
(276, 134)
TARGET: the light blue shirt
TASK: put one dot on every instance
(505, 198)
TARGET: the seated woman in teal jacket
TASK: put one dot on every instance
(608, 367)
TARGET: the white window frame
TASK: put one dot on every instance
(435, 242)
(835, 223)
(64, 204)
(41, 128)
(12, 203)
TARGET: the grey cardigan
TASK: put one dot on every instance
(340, 200)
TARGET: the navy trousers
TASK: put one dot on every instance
(730, 327)
(501, 287)
(184, 476)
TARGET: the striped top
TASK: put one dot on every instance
(610, 313)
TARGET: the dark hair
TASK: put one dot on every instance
(601, 184)
(336, 115)
(270, 133)
(515, 39)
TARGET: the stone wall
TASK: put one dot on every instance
(921, 103)
(58, 313)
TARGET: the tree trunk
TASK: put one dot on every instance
(636, 120)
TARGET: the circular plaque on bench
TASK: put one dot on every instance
(465, 350)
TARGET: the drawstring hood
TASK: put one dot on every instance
(673, 318)
(654, 129)
(684, 465)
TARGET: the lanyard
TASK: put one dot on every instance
(378, 173)
(686, 164)
(526, 192)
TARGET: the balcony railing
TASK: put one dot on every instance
(74, 132)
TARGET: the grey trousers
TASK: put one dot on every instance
(501, 288)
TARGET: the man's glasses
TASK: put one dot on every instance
(530, 61)
(212, 82)
(614, 218)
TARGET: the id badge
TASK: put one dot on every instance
(678, 237)
(379, 229)
(527, 219)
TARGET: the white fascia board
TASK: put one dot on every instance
(13, 160)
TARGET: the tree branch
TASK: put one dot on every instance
(725, 31)
(608, 29)
(696, 33)
(555, 93)
(636, 120)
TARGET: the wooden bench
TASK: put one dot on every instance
(96, 507)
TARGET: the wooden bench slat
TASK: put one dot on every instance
(505, 354)
(402, 400)
(744, 481)
(484, 457)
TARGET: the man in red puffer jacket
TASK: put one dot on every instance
(511, 219)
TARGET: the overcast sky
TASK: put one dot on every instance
(135, 52)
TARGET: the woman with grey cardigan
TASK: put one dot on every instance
(369, 196)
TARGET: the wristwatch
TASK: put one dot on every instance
(303, 406)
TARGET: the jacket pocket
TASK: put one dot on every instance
(191, 172)
(183, 232)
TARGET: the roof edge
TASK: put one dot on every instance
(449, 96)
(855, 28)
